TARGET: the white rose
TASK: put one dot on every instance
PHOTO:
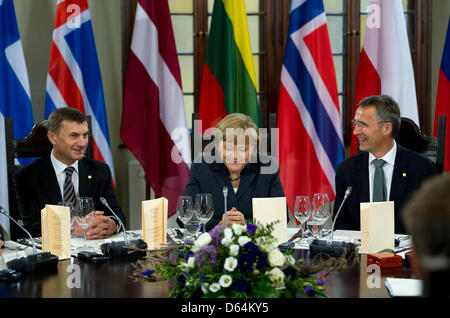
(276, 275)
(234, 250)
(225, 281)
(214, 287)
(237, 228)
(242, 240)
(191, 262)
(228, 233)
(276, 258)
(226, 241)
(203, 240)
(230, 263)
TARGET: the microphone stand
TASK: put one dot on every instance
(225, 193)
(121, 248)
(328, 246)
(35, 262)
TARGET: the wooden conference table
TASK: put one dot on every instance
(111, 279)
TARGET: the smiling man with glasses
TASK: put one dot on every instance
(382, 170)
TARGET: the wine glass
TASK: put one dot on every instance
(204, 208)
(302, 211)
(84, 214)
(185, 209)
(321, 211)
(72, 215)
(192, 228)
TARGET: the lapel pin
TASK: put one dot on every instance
(90, 177)
(404, 174)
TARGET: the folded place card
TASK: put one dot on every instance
(377, 226)
(154, 222)
(55, 225)
(268, 210)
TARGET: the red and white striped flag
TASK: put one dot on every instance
(153, 118)
(385, 65)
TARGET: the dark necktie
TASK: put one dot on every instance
(69, 190)
(379, 184)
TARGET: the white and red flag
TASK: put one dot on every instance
(153, 117)
(385, 65)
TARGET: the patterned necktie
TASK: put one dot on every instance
(69, 190)
(379, 184)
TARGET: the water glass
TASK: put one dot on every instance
(72, 216)
(185, 209)
(320, 212)
(204, 208)
(302, 211)
(84, 214)
(192, 228)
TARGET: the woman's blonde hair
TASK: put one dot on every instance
(237, 125)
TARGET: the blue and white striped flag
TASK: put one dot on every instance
(15, 99)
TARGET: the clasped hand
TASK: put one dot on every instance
(233, 216)
(101, 228)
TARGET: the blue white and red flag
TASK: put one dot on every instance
(443, 97)
(74, 78)
(309, 120)
(15, 102)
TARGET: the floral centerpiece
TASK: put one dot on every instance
(241, 261)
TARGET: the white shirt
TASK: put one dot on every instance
(388, 170)
(59, 168)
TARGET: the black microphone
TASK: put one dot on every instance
(105, 203)
(328, 246)
(114, 249)
(37, 261)
(346, 194)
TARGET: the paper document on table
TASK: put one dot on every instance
(55, 225)
(377, 226)
(268, 210)
(154, 222)
(404, 287)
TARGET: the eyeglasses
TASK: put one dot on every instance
(359, 124)
(362, 125)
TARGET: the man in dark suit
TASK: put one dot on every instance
(66, 174)
(384, 170)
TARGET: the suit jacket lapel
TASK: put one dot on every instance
(86, 179)
(49, 182)
(399, 175)
(247, 176)
(362, 178)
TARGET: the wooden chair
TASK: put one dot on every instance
(35, 145)
(411, 137)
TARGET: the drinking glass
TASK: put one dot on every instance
(84, 214)
(302, 211)
(72, 216)
(204, 208)
(320, 212)
(185, 209)
(192, 228)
